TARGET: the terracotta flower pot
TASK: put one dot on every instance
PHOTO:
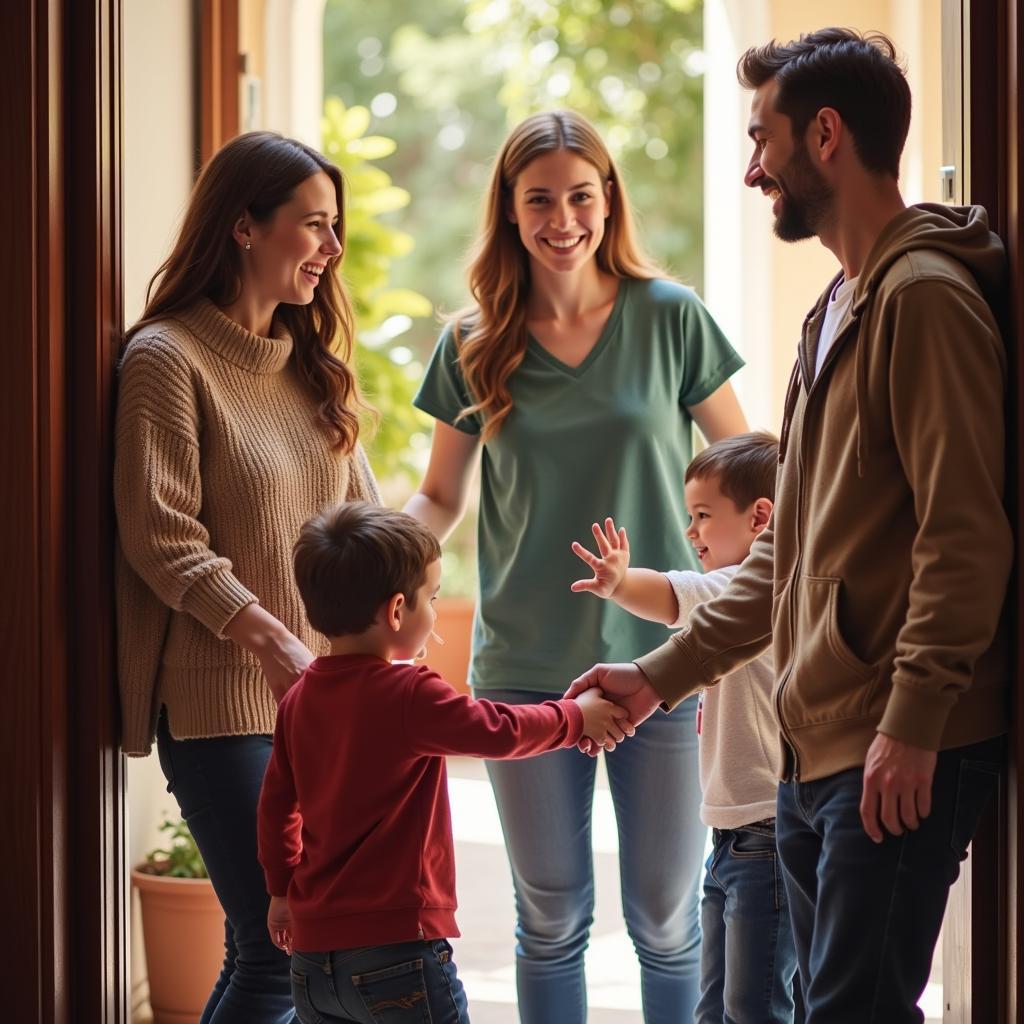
(183, 932)
(455, 627)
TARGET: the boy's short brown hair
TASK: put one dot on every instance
(349, 560)
(744, 466)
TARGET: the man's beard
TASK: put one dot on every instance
(806, 199)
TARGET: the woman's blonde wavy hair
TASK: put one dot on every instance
(491, 334)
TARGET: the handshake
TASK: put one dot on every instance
(614, 699)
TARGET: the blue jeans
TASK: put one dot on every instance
(545, 806)
(866, 916)
(216, 783)
(748, 960)
(399, 984)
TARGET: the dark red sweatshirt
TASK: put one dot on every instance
(354, 823)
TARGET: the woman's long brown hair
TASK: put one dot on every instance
(491, 335)
(258, 172)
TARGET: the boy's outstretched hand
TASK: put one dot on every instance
(279, 923)
(626, 685)
(610, 568)
(604, 724)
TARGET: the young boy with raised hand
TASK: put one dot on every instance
(354, 823)
(748, 960)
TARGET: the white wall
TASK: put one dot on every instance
(159, 143)
(159, 136)
(292, 92)
(737, 230)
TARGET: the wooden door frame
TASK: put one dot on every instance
(995, 142)
(62, 788)
(96, 861)
(1007, 203)
(219, 114)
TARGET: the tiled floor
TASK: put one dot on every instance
(485, 952)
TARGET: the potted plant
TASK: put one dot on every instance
(182, 927)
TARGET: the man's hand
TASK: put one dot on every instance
(610, 568)
(279, 923)
(624, 684)
(897, 786)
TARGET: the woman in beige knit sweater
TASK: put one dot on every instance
(236, 421)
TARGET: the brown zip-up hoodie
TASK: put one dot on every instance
(882, 575)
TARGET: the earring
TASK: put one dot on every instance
(248, 246)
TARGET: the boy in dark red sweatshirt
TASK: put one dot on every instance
(354, 823)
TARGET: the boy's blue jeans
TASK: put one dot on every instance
(748, 960)
(545, 805)
(217, 785)
(397, 984)
(866, 916)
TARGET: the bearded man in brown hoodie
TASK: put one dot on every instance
(881, 578)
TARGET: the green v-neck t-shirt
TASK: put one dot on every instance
(610, 437)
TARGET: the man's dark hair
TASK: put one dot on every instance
(857, 75)
(351, 559)
(744, 467)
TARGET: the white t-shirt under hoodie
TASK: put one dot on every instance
(838, 303)
(739, 738)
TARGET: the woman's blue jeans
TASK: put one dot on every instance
(545, 805)
(216, 783)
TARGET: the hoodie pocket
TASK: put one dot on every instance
(828, 681)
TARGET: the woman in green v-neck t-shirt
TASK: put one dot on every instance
(581, 394)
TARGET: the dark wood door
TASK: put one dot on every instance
(984, 963)
(61, 787)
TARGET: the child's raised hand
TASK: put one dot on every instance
(603, 722)
(611, 564)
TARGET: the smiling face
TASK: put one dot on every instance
(720, 532)
(780, 166)
(559, 204)
(291, 250)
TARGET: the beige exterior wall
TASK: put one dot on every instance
(758, 287)
(159, 147)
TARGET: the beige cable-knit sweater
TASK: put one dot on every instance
(219, 461)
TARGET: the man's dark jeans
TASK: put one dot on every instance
(866, 916)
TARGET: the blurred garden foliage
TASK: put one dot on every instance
(420, 98)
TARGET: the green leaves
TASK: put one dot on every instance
(383, 313)
(181, 858)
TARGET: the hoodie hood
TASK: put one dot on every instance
(959, 232)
